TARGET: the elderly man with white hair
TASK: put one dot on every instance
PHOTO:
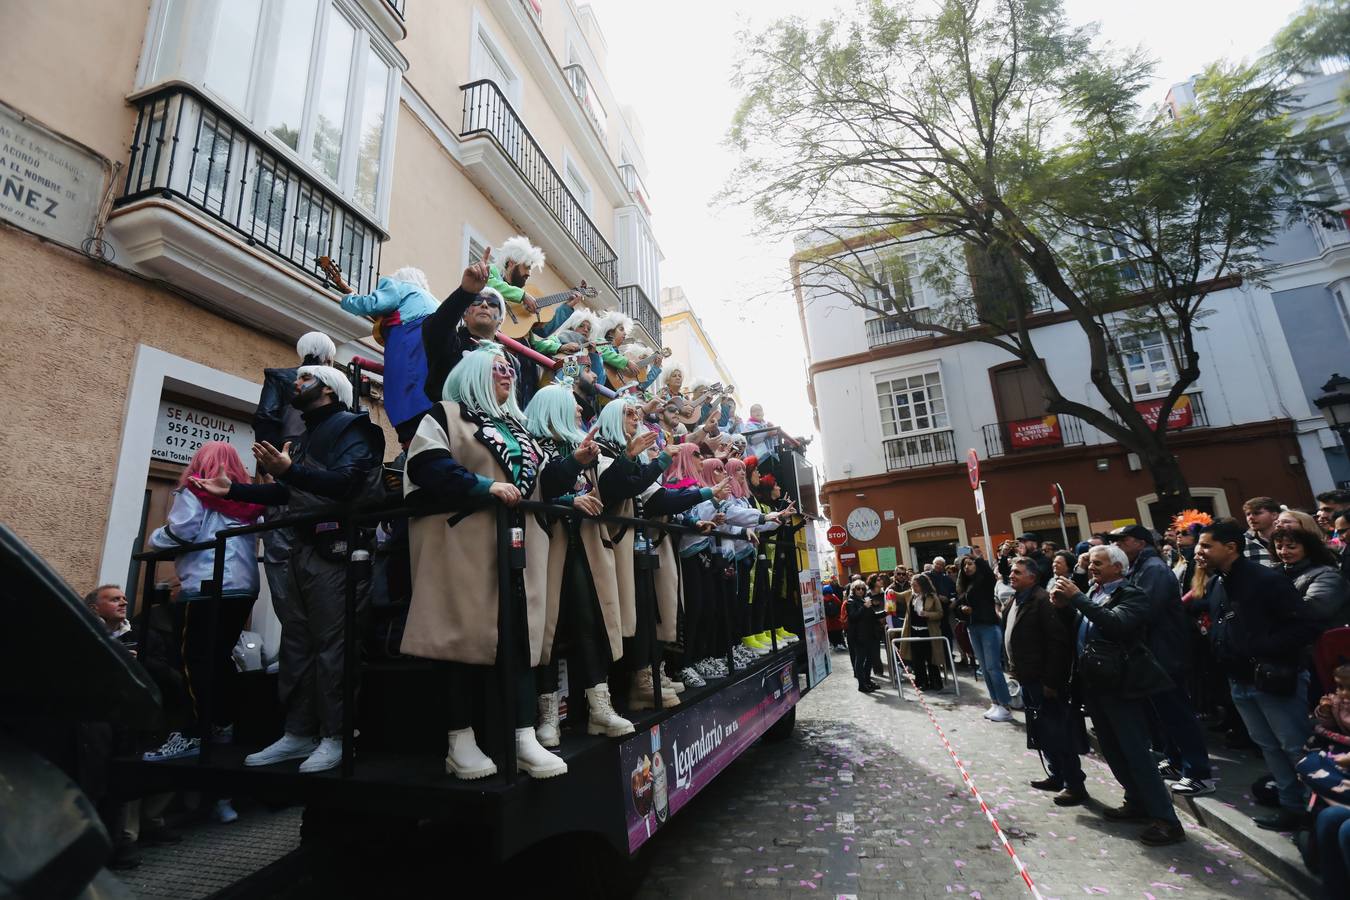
(399, 305)
(1116, 673)
(337, 458)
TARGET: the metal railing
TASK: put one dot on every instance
(398, 7)
(633, 182)
(351, 517)
(488, 112)
(885, 330)
(934, 448)
(584, 90)
(1193, 416)
(1022, 435)
(186, 147)
(634, 303)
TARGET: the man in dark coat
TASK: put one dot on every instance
(1039, 649)
(1117, 614)
(1183, 740)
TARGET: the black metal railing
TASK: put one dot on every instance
(584, 90)
(1189, 412)
(934, 448)
(488, 112)
(186, 147)
(633, 182)
(352, 516)
(634, 303)
(885, 330)
(398, 7)
(1021, 435)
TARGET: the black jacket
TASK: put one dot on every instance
(1126, 618)
(275, 420)
(1258, 617)
(979, 594)
(332, 460)
(446, 340)
(1041, 643)
(1167, 629)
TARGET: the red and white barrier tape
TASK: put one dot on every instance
(970, 783)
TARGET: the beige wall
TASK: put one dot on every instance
(71, 63)
(71, 330)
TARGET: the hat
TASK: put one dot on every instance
(1028, 537)
(1134, 531)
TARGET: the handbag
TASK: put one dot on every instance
(1133, 672)
(1276, 678)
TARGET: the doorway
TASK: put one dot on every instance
(1017, 395)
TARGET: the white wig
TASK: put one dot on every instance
(332, 378)
(316, 345)
(470, 385)
(612, 320)
(416, 277)
(635, 350)
(700, 384)
(611, 421)
(669, 369)
(519, 249)
(552, 414)
(582, 315)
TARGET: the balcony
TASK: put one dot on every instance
(209, 206)
(935, 448)
(634, 303)
(1189, 412)
(1035, 433)
(885, 330)
(521, 179)
(586, 95)
(398, 7)
(633, 181)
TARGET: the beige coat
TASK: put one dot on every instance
(619, 538)
(932, 611)
(667, 578)
(454, 604)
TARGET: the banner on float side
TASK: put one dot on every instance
(817, 638)
(664, 766)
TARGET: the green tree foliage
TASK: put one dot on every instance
(1005, 157)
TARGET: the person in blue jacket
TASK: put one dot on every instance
(400, 303)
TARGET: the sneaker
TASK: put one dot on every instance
(1001, 714)
(993, 708)
(1193, 787)
(739, 664)
(1161, 833)
(691, 677)
(176, 747)
(755, 644)
(785, 637)
(222, 734)
(1169, 772)
(290, 746)
(706, 669)
(327, 756)
(224, 812)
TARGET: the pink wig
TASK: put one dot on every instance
(683, 471)
(713, 470)
(736, 469)
(207, 461)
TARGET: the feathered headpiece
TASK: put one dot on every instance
(1191, 520)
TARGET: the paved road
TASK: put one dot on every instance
(865, 802)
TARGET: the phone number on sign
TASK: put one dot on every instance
(205, 434)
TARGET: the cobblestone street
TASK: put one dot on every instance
(864, 801)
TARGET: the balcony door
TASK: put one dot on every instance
(1017, 395)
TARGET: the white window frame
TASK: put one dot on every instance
(570, 168)
(913, 300)
(471, 236)
(482, 40)
(1168, 360)
(907, 373)
(196, 48)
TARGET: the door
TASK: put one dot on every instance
(159, 488)
(1017, 395)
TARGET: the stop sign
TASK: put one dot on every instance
(836, 535)
(973, 469)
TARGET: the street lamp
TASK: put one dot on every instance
(1335, 405)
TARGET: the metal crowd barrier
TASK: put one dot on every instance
(352, 515)
(894, 639)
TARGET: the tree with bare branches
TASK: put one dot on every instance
(1007, 159)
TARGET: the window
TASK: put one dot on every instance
(474, 246)
(488, 61)
(895, 277)
(304, 75)
(576, 183)
(1148, 364)
(911, 404)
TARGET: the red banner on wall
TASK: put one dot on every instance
(1182, 415)
(1042, 431)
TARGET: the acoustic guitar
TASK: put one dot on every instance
(518, 320)
(334, 274)
(635, 372)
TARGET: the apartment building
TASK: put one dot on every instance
(899, 409)
(173, 169)
(688, 340)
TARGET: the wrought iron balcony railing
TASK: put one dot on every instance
(398, 7)
(1020, 435)
(634, 303)
(1189, 412)
(633, 181)
(934, 448)
(587, 96)
(885, 330)
(487, 112)
(187, 148)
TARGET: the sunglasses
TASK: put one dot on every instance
(504, 370)
(480, 300)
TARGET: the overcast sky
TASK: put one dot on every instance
(672, 63)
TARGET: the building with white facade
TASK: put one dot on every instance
(898, 409)
(689, 343)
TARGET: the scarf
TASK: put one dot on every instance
(238, 510)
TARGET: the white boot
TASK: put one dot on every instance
(602, 717)
(547, 729)
(534, 759)
(465, 760)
